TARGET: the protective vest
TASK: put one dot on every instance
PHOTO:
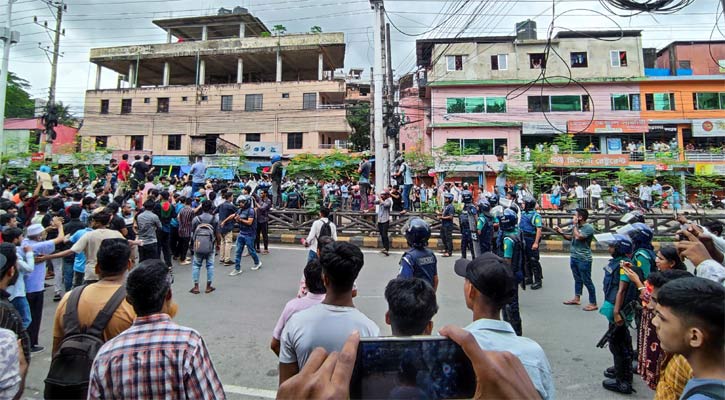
(293, 199)
(517, 257)
(650, 255)
(424, 263)
(467, 218)
(486, 233)
(612, 275)
(527, 222)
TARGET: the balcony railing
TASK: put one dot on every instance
(340, 145)
(330, 106)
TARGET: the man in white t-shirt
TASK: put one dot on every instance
(322, 227)
(596, 192)
(328, 324)
(579, 191)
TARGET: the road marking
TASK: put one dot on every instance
(252, 392)
(373, 251)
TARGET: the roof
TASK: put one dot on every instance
(424, 47)
(65, 135)
(218, 26)
(597, 34)
(688, 43)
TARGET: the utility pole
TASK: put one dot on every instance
(392, 141)
(9, 37)
(371, 130)
(51, 116)
(382, 176)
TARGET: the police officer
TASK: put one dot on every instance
(511, 249)
(643, 257)
(293, 198)
(496, 212)
(618, 293)
(446, 217)
(467, 221)
(419, 261)
(530, 226)
(276, 174)
(484, 227)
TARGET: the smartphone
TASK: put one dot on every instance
(417, 367)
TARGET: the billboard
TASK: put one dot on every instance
(262, 149)
(708, 127)
(590, 160)
(609, 126)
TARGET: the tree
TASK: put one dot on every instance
(358, 116)
(335, 165)
(18, 103)
(65, 117)
(279, 30)
(316, 29)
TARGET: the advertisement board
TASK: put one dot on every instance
(590, 160)
(261, 149)
(709, 169)
(609, 126)
(614, 146)
(708, 127)
(174, 161)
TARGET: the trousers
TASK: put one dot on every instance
(620, 345)
(467, 244)
(447, 236)
(532, 273)
(35, 301)
(512, 314)
(383, 228)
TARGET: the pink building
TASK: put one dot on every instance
(699, 57)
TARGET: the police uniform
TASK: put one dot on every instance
(509, 245)
(485, 233)
(419, 263)
(447, 228)
(529, 223)
(466, 221)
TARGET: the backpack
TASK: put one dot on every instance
(70, 367)
(203, 238)
(712, 390)
(325, 230)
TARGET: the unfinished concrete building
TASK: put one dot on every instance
(220, 83)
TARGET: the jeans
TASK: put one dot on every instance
(501, 190)
(247, 241)
(35, 301)
(276, 198)
(262, 236)
(195, 187)
(58, 279)
(21, 304)
(78, 278)
(226, 247)
(383, 228)
(364, 190)
(582, 272)
(406, 197)
(68, 274)
(148, 251)
(311, 255)
(184, 243)
(196, 266)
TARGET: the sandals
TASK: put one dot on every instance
(572, 302)
(194, 290)
(590, 307)
(209, 289)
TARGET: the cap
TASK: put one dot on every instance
(35, 230)
(490, 275)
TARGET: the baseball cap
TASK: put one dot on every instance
(490, 275)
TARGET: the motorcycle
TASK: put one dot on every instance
(623, 205)
(717, 202)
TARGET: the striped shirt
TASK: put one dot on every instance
(155, 359)
(186, 216)
(10, 319)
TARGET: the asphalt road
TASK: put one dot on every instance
(236, 321)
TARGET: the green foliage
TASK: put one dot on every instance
(630, 180)
(279, 30)
(565, 142)
(316, 29)
(65, 117)
(18, 103)
(358, 116)
(336, 165)
(265, 34)
(705, 185)
(419, 160)
(446, 157)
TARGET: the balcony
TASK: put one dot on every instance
(338, 145)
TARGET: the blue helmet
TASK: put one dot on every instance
(417, 233)
(622, 245)
(245, 201)
(276, 158)
(529, 203)
(641, 235)
(466, 196)
(484, 206)
(508, 220)
(448, 196)
(493, 200)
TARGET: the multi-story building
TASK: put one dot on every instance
(220, 85)
(692, 58)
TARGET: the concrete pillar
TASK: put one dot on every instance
(168, 36)
(240, 70)
(242, 30)
(98, 76)
(320, 66)
(167, 73)
(202, 72)
(131, 74)
(279, 66)
(204, 33)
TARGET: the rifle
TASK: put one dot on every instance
(628, 308)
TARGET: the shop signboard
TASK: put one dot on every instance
(709, 169)
(173, 161)
(614, 146)
(649, 169)
(708, 127)
(543, 128)
(262, 149)
(590, 160)
(663, 129)
(608, 126)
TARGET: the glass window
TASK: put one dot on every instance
(147, 100)
(500, 146)
(475, 105)
(253, 102)
(618, 58)
(566, 103)
(455, 63)
(104, 106)
(478, 147)
(495, 105)
(499, 62)
(660, 101)
(722, 101)
(456, 105)
(101, 142)
(537, 60)
(253, 137)
(227, 103)
(294, 141)
(454, 145)
(126, 106)
(579, 59)
(137, 142)
(309, 101)
(635, 103)
(174, 142)
(707, 101)
(620, 102)
(285, 95)
(538, 103)
(162, 105)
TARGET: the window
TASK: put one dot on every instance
(147, 100)
(126, 106)
(104, 106)
(184, 98)
(227, 102)
(309, 101)
(574, 103)
(455, 63)
(253, 102)
(537, 60)
(477, 147)
(204, 98)
(174, 142)
(499, 62)
(579, 59)
(475, 105)
(684, 64)
(625, 102)
(137, 142)
(253, 137)
(285, 95)
(294, 141)
(619, 58)
(101, 142)
(210, 144)
(660, 101)
(163, 105)
(708, 101)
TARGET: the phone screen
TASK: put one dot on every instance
(412, 368)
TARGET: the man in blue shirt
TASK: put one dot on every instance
(247, 220)
(419, 261)
(198, 175)
(489, 286)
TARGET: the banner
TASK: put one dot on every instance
(590, 160)
(609, 126)
(614, 146)
(175, 161)
(708, 127)
(261, 149)
(709, 169)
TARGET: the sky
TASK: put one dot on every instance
(106, 23)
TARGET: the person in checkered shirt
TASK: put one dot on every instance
(155, 358)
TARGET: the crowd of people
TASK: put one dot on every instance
(111, 248)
